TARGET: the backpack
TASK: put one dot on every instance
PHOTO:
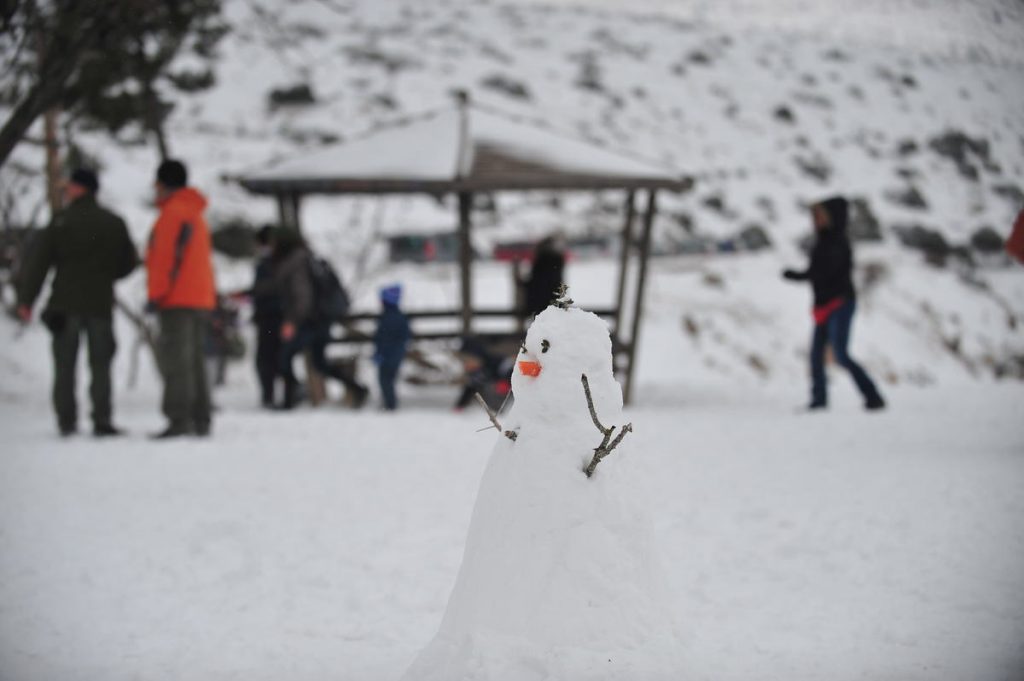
(330, 299)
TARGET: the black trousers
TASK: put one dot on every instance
(67, 331)
(268, 354)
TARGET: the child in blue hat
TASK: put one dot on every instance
(390, 343)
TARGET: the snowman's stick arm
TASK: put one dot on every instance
(510, 434)
(628, 428)
(606, 448)
(607, 443)
(593, 412)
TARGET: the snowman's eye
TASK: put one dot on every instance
(544, 345)
(522, 347)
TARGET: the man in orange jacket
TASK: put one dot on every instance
(181, 290)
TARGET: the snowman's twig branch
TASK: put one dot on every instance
(605, 449)
(628, 428)
(510, 434)
(590, 405)
(607, 443)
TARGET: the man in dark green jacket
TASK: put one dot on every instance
(89, 248)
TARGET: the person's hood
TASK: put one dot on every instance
(186, 200)
(391, 295)
(838, 210)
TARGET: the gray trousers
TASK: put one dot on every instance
(186, 400)
(67, 331)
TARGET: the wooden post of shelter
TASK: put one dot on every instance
(645, 251)
(282, 210)
(627, 244)
(466, 261)
(518, 294)
(288, 210)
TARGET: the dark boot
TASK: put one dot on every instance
(360, 393)
(875, 403)
(106, 430)
(174, 429)
(291, 395)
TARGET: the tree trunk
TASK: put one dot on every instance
(153, 119)
(53, 164)
(42, 96)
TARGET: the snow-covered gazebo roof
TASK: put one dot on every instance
(464, 148)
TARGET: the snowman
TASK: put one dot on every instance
(560, 578)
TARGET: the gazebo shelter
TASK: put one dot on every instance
(467, 149)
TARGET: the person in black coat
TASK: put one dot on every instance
(268, 316)
(304, 327)
(830, 274)
(89, 249)
(546, 275)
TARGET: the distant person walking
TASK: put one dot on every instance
(390, 344)
(182, 292)
(89, 248)
(1015, 244)
(303, 327)
(546, 274)
(830, 274)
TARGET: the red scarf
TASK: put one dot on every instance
(821, 313)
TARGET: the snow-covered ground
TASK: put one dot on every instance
(324, 544)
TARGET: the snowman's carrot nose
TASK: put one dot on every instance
(529, 368)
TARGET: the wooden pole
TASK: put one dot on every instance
(282, 210)
(645, 251)
(466, 261)
(289, 210)
(627, 243)
(296, 211)
(518, 295)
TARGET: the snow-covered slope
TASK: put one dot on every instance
(912, 109)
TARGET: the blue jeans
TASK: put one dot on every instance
(387, 373)
(836, 333)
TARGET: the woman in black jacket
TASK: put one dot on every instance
(545, 275)
(834, 302)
